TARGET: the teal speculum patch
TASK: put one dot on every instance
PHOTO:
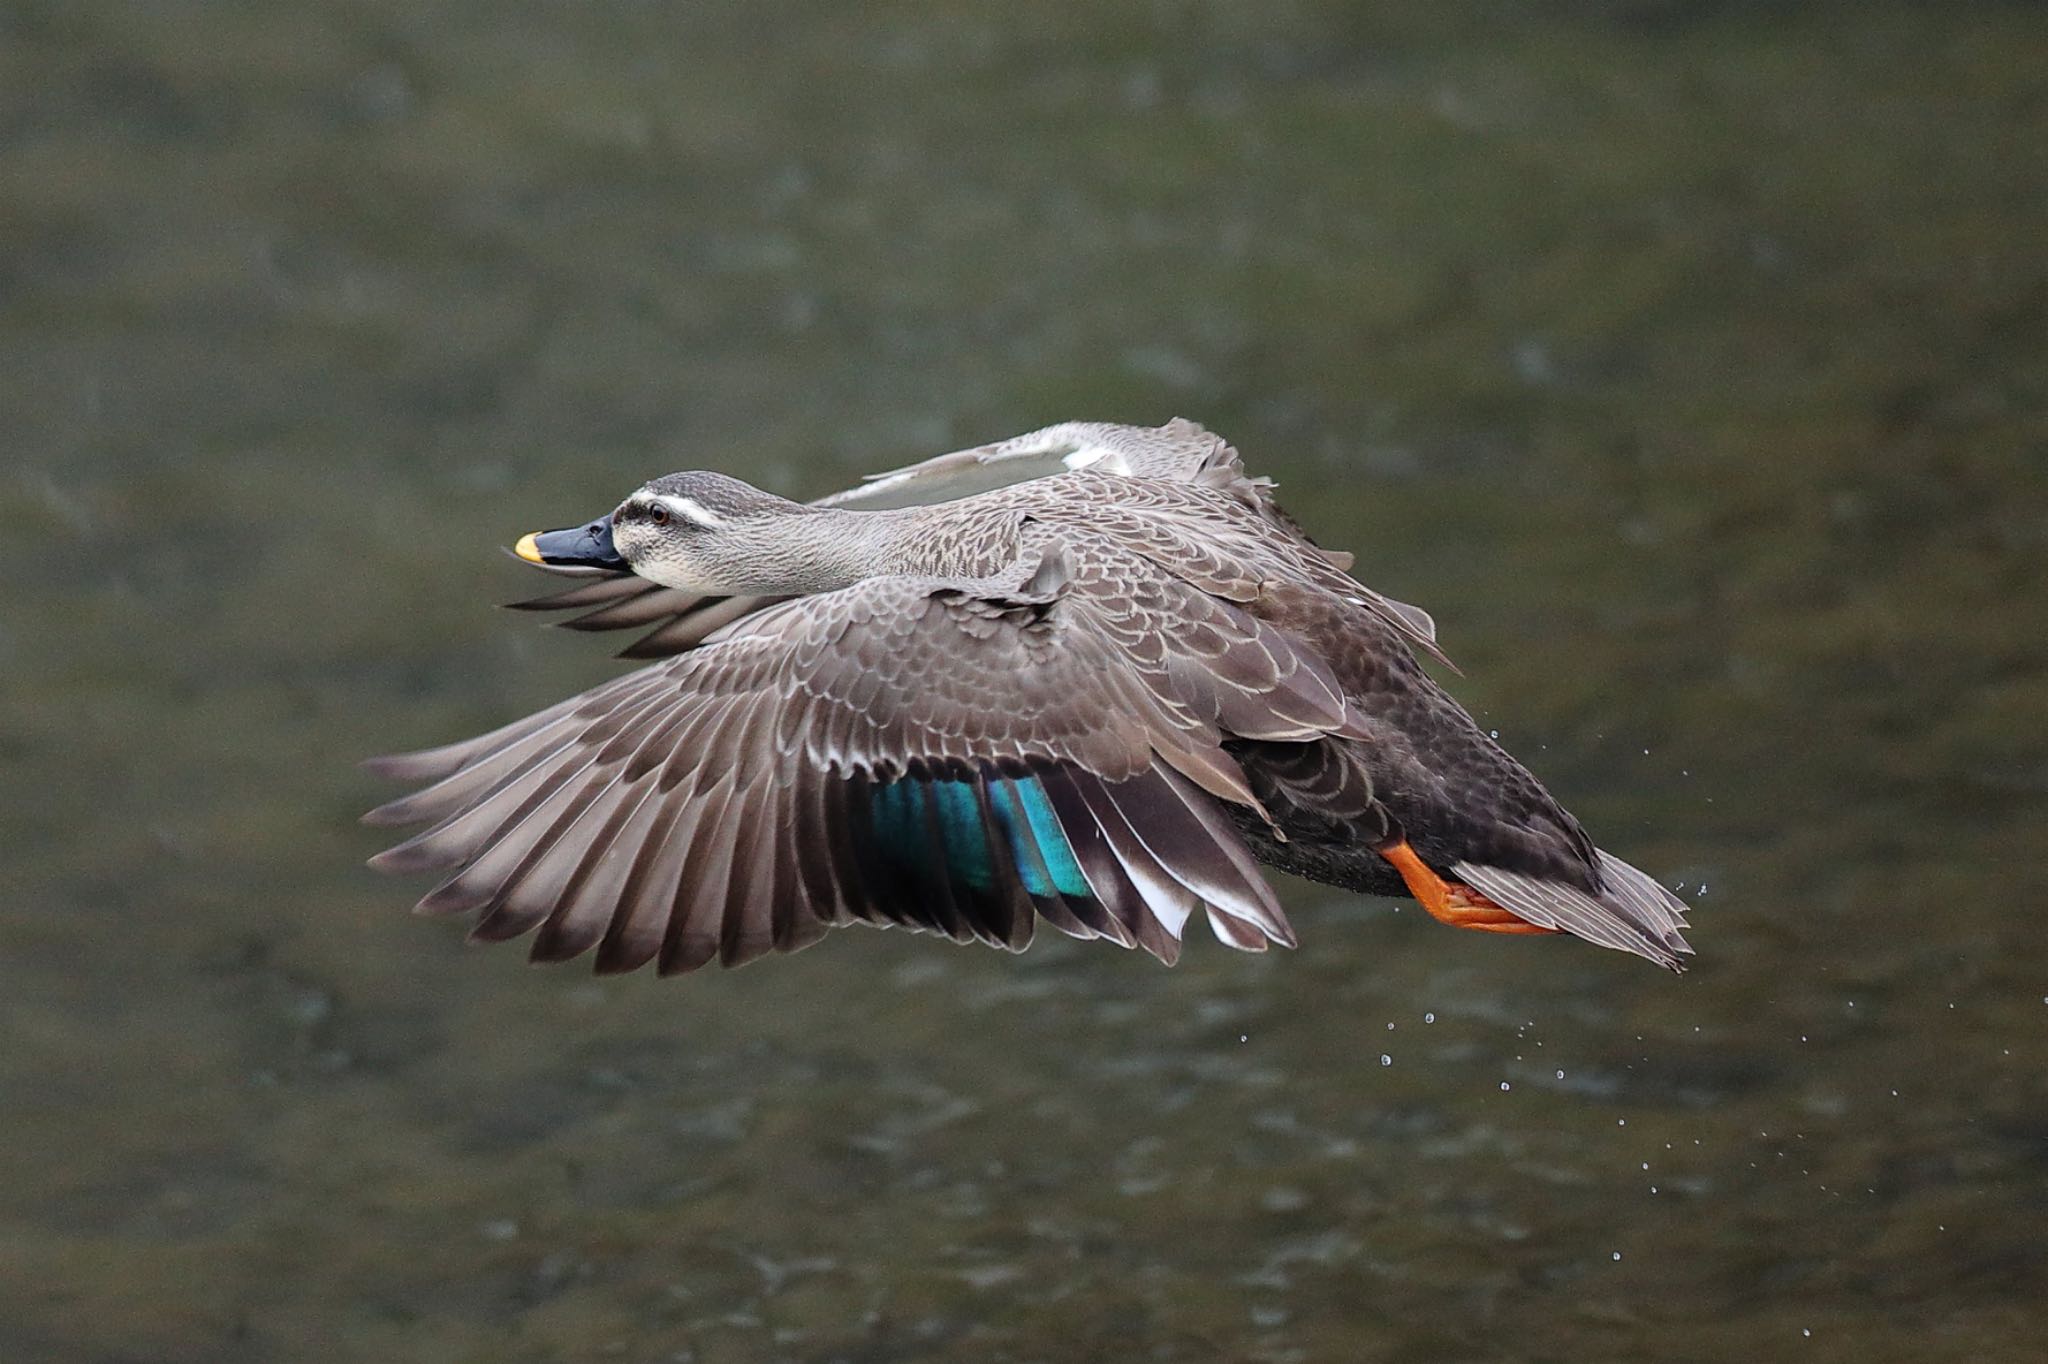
(903, 814)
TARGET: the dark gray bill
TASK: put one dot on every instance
(578, 547)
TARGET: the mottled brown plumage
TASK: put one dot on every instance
(960, 702)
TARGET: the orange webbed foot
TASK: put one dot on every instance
(1451, 903)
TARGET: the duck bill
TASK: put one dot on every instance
(586, 547)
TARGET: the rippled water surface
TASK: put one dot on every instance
(1686, 359)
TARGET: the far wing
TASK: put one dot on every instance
(1181, 451)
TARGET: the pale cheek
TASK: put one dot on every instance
(667, 571)
(633, 548)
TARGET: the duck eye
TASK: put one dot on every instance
(658, 514)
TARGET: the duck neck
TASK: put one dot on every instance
(818, 549)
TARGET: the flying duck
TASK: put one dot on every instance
(1092, 675)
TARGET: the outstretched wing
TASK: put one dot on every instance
(962, 758)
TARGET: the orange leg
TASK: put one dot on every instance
(1450, 903)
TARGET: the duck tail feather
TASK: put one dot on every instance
(1627, 920)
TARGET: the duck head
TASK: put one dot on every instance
(699, 532)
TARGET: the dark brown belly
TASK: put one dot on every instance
(1353, 864)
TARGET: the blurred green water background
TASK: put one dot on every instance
(1689, 360)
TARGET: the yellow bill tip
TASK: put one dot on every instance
(528, 548)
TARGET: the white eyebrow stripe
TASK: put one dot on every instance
(690, 509)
